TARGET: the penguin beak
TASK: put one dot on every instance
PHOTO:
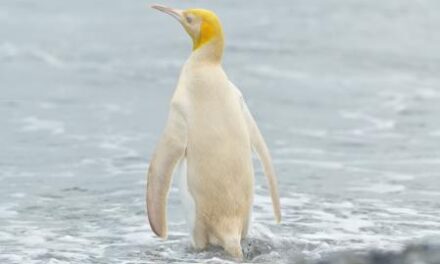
(176, 13)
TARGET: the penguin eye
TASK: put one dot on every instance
(188, 19)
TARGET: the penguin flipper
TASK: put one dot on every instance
(263, 153)
(169, 151)
(259, 145)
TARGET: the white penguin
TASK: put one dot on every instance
(211, 132)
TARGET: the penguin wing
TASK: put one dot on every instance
(169, 151)
(262, 151)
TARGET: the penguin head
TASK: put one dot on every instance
(203, 26)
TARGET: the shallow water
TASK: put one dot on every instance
(346, 93)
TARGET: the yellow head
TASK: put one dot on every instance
(202, 25)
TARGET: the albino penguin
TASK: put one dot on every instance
(211, 133)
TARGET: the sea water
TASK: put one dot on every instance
(346, 93)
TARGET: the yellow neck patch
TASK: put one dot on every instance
(210, 27)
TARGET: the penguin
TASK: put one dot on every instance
(210, 135)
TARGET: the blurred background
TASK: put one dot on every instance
(347, 94)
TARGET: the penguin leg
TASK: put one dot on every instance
(228, 232)
(233, 247)
(200, 236)
(246, 224)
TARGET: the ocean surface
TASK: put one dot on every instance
(346, 93)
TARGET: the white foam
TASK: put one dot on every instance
(6, 211)
(36, 124)
(428, 93)
(429, 193)
(381, 188)
(311, 132)
(46, 57)
(12, 258)
(390, 175)
(4, 236)
(401, 211)
(314, 163)
(435, 133)
(279, 73)
(114, 108)
(137, 238)
(18, 195)
(349, 223)
(396, 101)
(289, 150)
(340, 205)
(75, 240)
(8, 50)
(398, 176)
(47, 105)
(294, 201)
(378, 123)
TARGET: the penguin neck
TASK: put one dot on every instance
(210, 52)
